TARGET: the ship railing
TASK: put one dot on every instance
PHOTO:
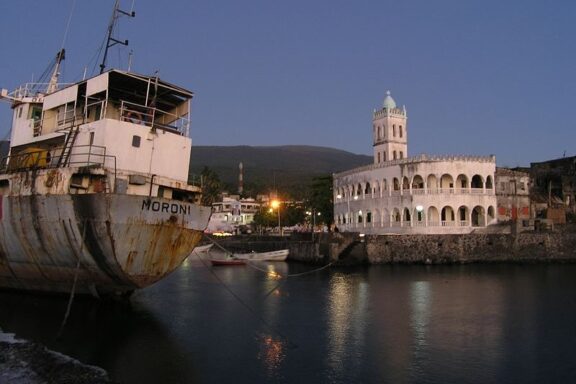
(33, 90)
(94, 156)
(153, 117)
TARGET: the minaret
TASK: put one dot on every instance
(389, 132)
(240, 178)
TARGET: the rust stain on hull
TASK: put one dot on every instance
(120, 247)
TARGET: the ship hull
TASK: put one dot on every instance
(109, 243)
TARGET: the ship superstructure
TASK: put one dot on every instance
(95, 185)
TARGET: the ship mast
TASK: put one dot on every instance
(111, 41)
(53, 83)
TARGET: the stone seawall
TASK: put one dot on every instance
(350, 248)
(470, 248)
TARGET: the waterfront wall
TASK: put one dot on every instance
(470, 248)
(349, 248)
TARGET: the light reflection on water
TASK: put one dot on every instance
(409, 324)
(348, 298)
(272, 353)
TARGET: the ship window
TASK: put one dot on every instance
(36, 113)
(136, 141)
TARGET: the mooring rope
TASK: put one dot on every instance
(252, 265)
(282, 278)
(245, 304)
(72, 292)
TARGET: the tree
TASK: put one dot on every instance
(211, 186)
(320, 199)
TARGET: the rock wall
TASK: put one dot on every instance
(470, 248)
(350, 248)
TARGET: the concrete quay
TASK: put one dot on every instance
(558, 246)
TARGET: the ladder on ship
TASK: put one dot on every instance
(68, 145)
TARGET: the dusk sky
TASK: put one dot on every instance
(477, 77)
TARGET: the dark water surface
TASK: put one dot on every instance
(381, 324)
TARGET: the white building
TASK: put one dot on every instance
(230, 213)
(421, 194)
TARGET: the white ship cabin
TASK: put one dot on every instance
(117, 132)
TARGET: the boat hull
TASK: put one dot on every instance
(280, 255)
(112, 243)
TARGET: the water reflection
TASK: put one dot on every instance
(115, 335)
(420, 302)
(272, 352)
(388, 324)
(348, 298)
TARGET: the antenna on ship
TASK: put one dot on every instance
(60, 56)
(53, 83)
(111, 41)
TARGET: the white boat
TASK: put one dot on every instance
(203, 248)
(95, 188)
(279, 255)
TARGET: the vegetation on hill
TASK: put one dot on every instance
(286, 169)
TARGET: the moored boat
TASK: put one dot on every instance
(94, 188)
(280, 255)
(203, 248)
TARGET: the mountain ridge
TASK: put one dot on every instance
(285, 167)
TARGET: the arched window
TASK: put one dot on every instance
(379, 132)
(478, 217)
(400, 130)
(378, 157)
(405, 183)
(394, 153)
(489, 182)
(384, 156)
(477, 182)
(394, 130)
(401, 154)
(407, 216)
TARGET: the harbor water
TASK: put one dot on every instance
(497, 323)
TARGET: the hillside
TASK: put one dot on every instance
(284, 167)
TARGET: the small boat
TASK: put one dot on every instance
(203, 248)
(227, 261)
(279, 255)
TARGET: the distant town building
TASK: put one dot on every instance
(554, 188)
(513, 194)
(420, 194)
(231, 213)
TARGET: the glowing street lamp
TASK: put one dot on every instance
(313, 214)
(275, 204)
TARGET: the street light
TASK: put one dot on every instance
(275, 204)
(311, 213)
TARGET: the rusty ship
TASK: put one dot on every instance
(94, 192)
